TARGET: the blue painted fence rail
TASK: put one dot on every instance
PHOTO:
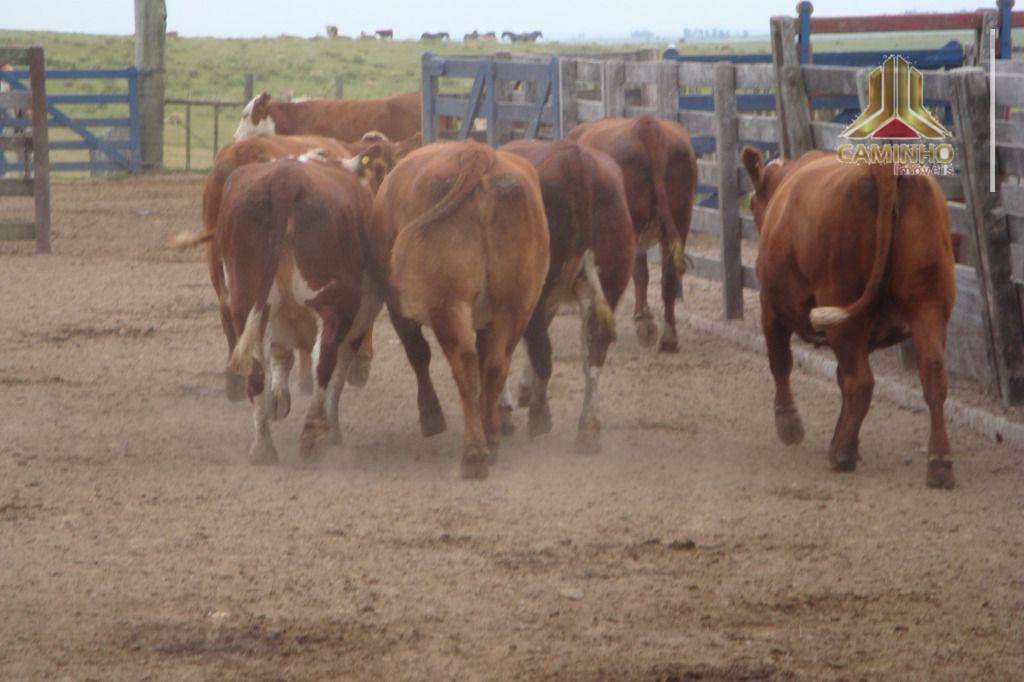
(111, 155)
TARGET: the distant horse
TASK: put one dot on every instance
(530, 37)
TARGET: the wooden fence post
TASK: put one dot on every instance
(569, 113)
(982, 43)
(247, 93)
(339, 87)
(791, 100)
(613, 88)
(990, 232)
(728, 189)
(428, 87)
(491, 105)
(40, 148)
(668, 90)
(150, 36)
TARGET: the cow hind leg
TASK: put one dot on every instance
(857, 384)
(506, 406)
(538, 347)
(928, 329)
(262, 450)
(417, 351)
(453, 327)
(788, 425)
(646, 330)
(316, 430)
(282, 359)
(597, 332)
(494, 350)
(669, 342)
(348, 352)
(359, 372)
(305, 372)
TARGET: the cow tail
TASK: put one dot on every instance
(188, 239)
(473, 166)
(279, 227)
(649, 131)
(886, 185)
(581, 205)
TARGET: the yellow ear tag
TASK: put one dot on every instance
(366, 160)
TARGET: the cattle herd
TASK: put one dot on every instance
(323, 212)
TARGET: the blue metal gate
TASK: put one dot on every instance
(117, 151)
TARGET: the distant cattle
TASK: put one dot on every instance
(332, 31)
(660, 169)
(363, 35)
(443, 35)
(858, 258)
(289, 235)
(530, 37)
(592, 250)
(460, 243)
(384, 33)
(347, 120)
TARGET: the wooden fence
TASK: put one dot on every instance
(35, 143)
(488, 110)
(793, 107)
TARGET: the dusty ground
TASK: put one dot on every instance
(138, 543)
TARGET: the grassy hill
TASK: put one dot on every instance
(215, 68)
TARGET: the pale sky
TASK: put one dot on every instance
(409, 18)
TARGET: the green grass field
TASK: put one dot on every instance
(216, 68)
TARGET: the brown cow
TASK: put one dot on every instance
(660, 169)
(459, 242)
(347, 120)
(265, 148)
(592, 251)
(860, 259)
(254, 150)
(289, 235)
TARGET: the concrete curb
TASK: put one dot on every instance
(993, 427)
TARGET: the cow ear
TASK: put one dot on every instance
(754, 164)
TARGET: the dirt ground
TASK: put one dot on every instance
(136, 541)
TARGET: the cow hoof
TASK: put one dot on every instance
(940, 475)
(280, 403)
(359, 372)
(234, 386)
(306, 385)
(508, 427)
(474, 466)
(669, 342)
(315, 435)
(844, 459)
(432, 424)
(588, 441)
(525, 395)
(789, 427)
(540, 420)
(646, 332)
(262, 454)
